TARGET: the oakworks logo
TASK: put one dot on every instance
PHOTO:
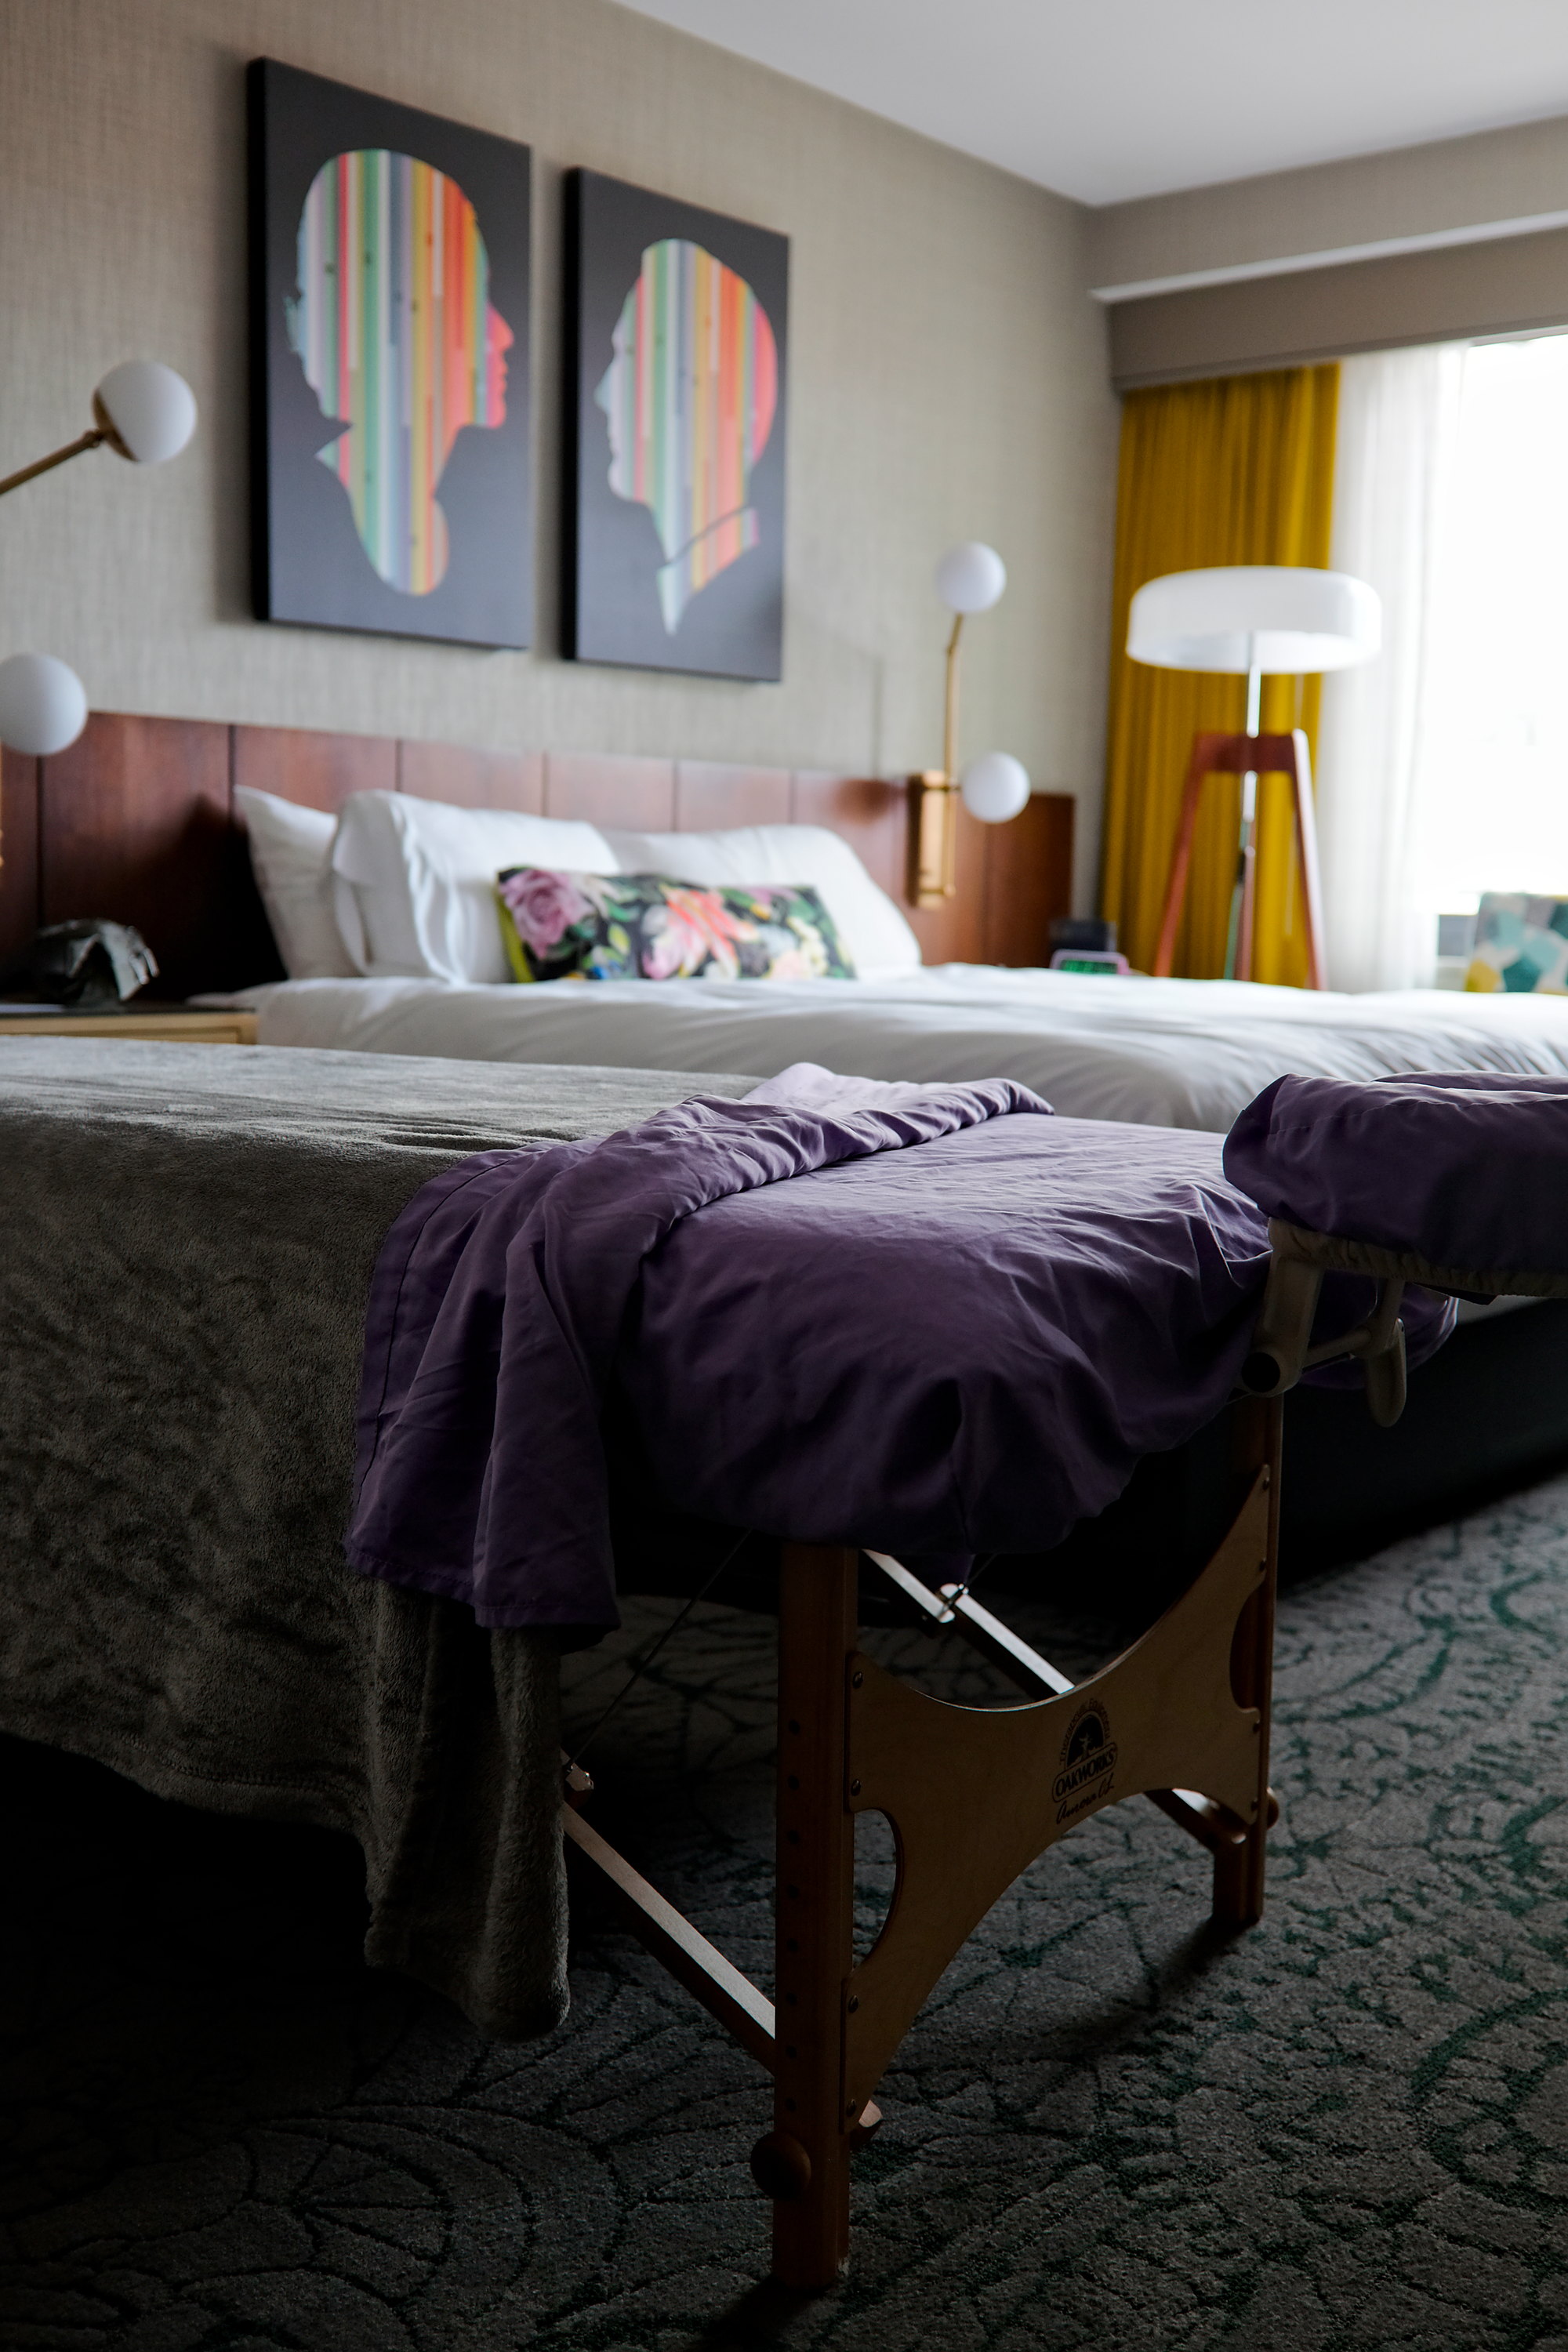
(1088, 1762)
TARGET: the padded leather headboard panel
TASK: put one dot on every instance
(136, 822)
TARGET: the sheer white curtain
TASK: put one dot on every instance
(1398, 423)
(1494, 757)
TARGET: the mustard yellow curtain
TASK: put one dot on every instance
(1239, 469)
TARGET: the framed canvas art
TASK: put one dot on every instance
(677, 353)
(389, 281)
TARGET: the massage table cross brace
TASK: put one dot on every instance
(973, 1795)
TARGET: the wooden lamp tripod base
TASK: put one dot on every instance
(1248, 756)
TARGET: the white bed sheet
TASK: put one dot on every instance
(1166, 1053)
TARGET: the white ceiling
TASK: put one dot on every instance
(1104, 99)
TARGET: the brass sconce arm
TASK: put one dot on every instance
(933, 796)
(84, 441)
(950, 702)
(144, 411)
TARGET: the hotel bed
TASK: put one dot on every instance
(1161, 1053)
(391, 925)
(173, 824)
(187, 1234)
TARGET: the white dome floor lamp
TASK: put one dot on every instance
(146, 412)
(1251, 620)
(969, 579)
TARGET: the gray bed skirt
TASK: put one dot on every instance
(186, 1239)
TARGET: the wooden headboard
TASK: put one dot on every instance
(136, 823)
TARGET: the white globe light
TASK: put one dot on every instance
(42, 705)
(995, 787)
(148, 411)
(971, 577)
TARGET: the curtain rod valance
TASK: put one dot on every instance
(1509, 285)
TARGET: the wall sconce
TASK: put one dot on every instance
(43, 705)
(969, 579)
(146, 412)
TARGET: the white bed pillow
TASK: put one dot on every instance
(291, 857)
(877, 940)
(414, 881)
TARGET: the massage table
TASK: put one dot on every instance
(858, 1215)
(175, 1601)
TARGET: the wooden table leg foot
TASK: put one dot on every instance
(1238, 1883)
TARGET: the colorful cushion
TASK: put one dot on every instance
(1521, 945)
(647, 927)
(871, 929)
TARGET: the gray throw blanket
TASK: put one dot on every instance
(187, 1234)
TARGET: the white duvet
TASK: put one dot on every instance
(1174, 1053)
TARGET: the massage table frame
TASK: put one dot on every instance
(1299, 1257)
(975, 1795)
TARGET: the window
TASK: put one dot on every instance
(1492, 752)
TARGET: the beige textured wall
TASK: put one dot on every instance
(1449, 183)
(948, 381)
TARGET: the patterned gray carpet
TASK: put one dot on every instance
(1347, 2129)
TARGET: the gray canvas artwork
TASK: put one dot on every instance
(390, 366)
(677, 348)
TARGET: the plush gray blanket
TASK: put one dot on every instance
(186, 1239)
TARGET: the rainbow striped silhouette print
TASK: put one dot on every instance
(398, 336)
(689, 398)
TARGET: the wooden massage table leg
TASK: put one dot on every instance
(1256, 1427)
(803, 2163)
(975, 1795)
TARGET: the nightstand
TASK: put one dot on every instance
(191, 1026)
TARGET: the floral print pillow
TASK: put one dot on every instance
(647, 927)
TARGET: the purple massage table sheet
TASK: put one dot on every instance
(946, 1325)
(1461, 1170)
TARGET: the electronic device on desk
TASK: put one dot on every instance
(1090, 959)
(90, 965)
(1085, 943)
